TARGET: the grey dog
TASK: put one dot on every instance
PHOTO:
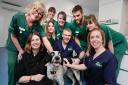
(56, 70)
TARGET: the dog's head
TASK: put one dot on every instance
(56, 58)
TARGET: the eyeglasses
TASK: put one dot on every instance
(38, 12)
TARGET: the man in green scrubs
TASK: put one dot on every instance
(78, 27)
(22, 24)
(79, 30)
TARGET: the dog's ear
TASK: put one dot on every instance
(52, 54)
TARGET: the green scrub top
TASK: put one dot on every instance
(58, 30)
(51, 40)
(80, 33)
(107, 32)
(19, 27)
(118, 39)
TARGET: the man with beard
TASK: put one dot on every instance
(78, 27)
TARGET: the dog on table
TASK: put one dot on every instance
(56, 70)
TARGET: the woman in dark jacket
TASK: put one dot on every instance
(31, 69)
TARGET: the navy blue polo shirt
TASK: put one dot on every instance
(101, 70)
(68, 51)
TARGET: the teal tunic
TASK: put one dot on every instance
(117, 38)
(119, 43)
(51, 40)
(107, 32)
(58, 30)
(19, 27)
(80, 33)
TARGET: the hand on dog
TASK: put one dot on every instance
(76, 61)
(37, 77)
(66, 62)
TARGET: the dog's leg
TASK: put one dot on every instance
(69, 73)
(77, 75)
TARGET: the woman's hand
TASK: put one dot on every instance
(37, 77)
(66, 62)
(76, 61)
(20, 54)
(87, 53)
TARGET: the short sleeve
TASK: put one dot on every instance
(13, 25)
(41, 31)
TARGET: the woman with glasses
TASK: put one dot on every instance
(22, 24)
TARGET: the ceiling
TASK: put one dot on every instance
(92, 5)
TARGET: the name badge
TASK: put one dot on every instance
(99, 64)
(21, 29)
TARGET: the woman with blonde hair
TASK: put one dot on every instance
(22, 24)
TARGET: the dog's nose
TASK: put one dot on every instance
(57, 58)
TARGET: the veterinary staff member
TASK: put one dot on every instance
(78, 27)
(101, 66)
(61, 24)
(50, 16)
(21, 26)
(31, 69)
(115, 41)
(66, 46)
(50, 32)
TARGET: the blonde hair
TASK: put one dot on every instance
(88, 38)
(39, 6)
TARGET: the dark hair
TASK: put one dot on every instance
(46, 28)
(62, 13)
(77, 8)
(91, 18)
(28, 47)
(52, 9)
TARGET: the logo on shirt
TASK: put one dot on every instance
(70, 49)
(21, 29)
(99, 64)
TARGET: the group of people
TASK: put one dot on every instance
(33, 35)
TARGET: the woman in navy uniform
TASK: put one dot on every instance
(115, 41)
(101, 66)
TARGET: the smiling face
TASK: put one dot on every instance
(50, 28)
(35, 42)
(78, 16)
(61, 20)
(96, 39)
(66, 36)
(36, 14)
(91, 25)
(51, 15)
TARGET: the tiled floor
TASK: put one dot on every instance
(3, 66)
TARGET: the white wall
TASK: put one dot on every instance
(110, 9)
(5, 17)
(124, 21)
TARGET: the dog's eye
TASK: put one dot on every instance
(52, 53)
